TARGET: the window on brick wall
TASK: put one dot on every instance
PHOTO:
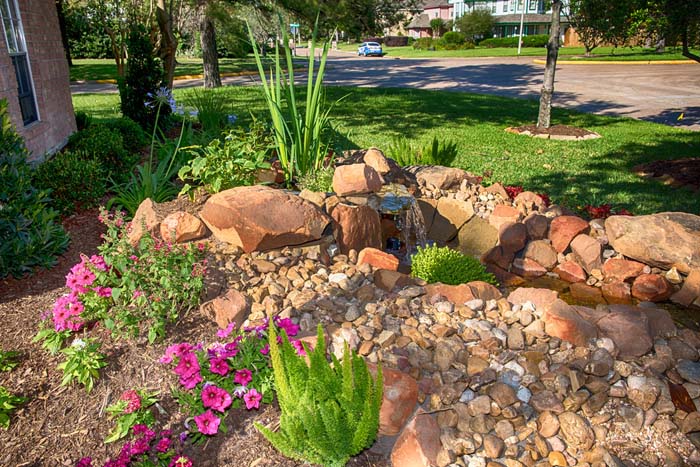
(16, 46)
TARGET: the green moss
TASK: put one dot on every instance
(443, 264)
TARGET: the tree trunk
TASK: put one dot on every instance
(64, 35)
(544, 116)
(210, 58)
(686, 50)
(168, 42)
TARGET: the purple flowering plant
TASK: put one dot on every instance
(230, 373)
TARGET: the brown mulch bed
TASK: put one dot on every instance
(61, 424)
(554, 130)
(679, 172)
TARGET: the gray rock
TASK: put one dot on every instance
(690, 371)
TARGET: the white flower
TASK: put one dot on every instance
(78, 343)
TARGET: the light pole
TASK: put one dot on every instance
(522, 21)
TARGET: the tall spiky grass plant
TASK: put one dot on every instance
(330, 410)
(298, 130)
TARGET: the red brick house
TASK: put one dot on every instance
(34, 74)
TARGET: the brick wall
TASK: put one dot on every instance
(51, 80)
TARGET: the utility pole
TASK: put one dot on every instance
(522, 21)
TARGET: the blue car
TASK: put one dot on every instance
(370, 48)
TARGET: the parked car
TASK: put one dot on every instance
(370, 48)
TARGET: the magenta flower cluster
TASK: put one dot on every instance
(68, 309)
(147, 446)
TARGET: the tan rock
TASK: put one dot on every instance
(450, 216)
(541, 298)
(690, 292)
(376, 159)
(542, 253)
(571, 272)
(428, 207)
(229, 308)
(442, 178)
(418, 444)
(356, 227)
(588, 252)
(262, 218)
(564, 229)
(530, 200)
(378, 259)
(145, 220)
(527, 267)
(629, 329)
(476, 237)
(484, 290)
(457, 294)
(537, 226)
(182, 226)
(503, 214)
(652, 288)
(616, 269)
(387, 280)
(355, 179)
(562, 321)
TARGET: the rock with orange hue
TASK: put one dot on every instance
(690, 292)
(378, 259)
(587, 251)
(564, 229)
(527, 267)
(617, 292)
(258, 218)
(398, 400)
(530, 200)
(418, 444)
(229, 308)
(571, 272)
(182, 226)
(484, 290)
(628, 328)
(355, 179)
(442, 178)
(512, 237)
(616, 269)
(376, 159)
(145, 220)
(503, 214)
(541, 298)
(562, 321)
(498, 189)
(357, 227)
(652, 288)
(541, 251)
(388, 280)
(586, 293)
(498, 256)
(537, 226)
(504, 277)
(457, 294)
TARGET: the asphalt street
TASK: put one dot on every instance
(659, 93)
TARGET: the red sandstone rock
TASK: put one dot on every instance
(588, 252)
(378, 259)
(418, 444)
(498, 256)
(571, 272)
(652, 288)
(504, 277)
(484, 290)
(375, 159)
(530, 200)
(537, 226)
(660, 322)
(562, 321)
(617, 292)
(457, 294)
(690, 291)
(398, 401)
(357, 227)
(541, 251)
(564, 229)
(387, 280)
(628, 329)
(527, 267)
(621, 269)
(262, 218)
(229, 308)
(512, 237)
(503, 214)
(541, 298)
(145, 220)
(355, 179)
(586, 293)
(182, 226)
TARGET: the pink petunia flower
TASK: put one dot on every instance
(216, 398)
(181, 461)
(218, 366)
(299, 347)
(191, 381)
(207, 423)
(224, 333)
(104, 292)
(265, 350)
(187, 366)
(133, 401)
(252, 399)
(289, 326)
(243, 377)
(163, 445)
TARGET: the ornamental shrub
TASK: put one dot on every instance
(424, 43)
(76, 181)
(535, 40)
(30, 234)
(107, 147)
(451, 40)
(330, 411)
(443, 264)
(133, 136)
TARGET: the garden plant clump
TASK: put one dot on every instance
(443, 264)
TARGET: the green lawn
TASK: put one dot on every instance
(99, 69)
(572, 173)
(567, 53)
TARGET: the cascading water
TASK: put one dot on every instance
(399, 207)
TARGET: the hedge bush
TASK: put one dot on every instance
(453, 40)
(537, 40)
(30, 234)
(133, 135)
(396, 41)
(76, 181)
(107, 147)
(424, 43)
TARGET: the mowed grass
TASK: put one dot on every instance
(566, 53)
(572, 173)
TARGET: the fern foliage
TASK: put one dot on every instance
(330, 410)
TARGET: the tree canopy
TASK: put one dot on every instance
(476, 25)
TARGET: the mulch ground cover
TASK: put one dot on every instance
(679, 172)
(61, 424)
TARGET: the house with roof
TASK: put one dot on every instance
(431, 9)
(34, 75)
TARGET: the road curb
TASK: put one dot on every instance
(617, 62)
(182, 77)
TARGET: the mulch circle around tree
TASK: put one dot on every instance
(61, 424)
(679, 172)
(558, 132)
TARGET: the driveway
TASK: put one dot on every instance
(659, 93)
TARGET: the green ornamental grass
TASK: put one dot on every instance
(443, 264)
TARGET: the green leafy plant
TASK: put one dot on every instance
(8, 360)
(298, 131)
(443, 264)
(76, 181)
(330, 411)
(320, 180)
(211, 108)
(83, 362)
(30, 235)
(132, 408)
(437, 152)
(8, 403)
(82, 120)
(51, 339)
(229, 163)
(132, 134)
(107, 147)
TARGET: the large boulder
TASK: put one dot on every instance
(262, 218)
(399, 399)
(181, 226)
(357, 227)
(628, 327)
(229, 308)
(418, 444)
(561, 320)
(450, 216)
(356, 179)
(476, 237)
(443, 178)
(146, 219)
(541, 298)
(665, 240)
(564, 229)
(588, 252)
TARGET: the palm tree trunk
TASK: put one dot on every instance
(545, 112)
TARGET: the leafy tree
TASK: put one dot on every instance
(674, 20)
(438, 26)
(600, 21)
(476, 25)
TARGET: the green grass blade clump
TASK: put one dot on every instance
(330, 410)
(443, 264)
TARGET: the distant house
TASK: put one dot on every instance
(34, 75)
(432, 9)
